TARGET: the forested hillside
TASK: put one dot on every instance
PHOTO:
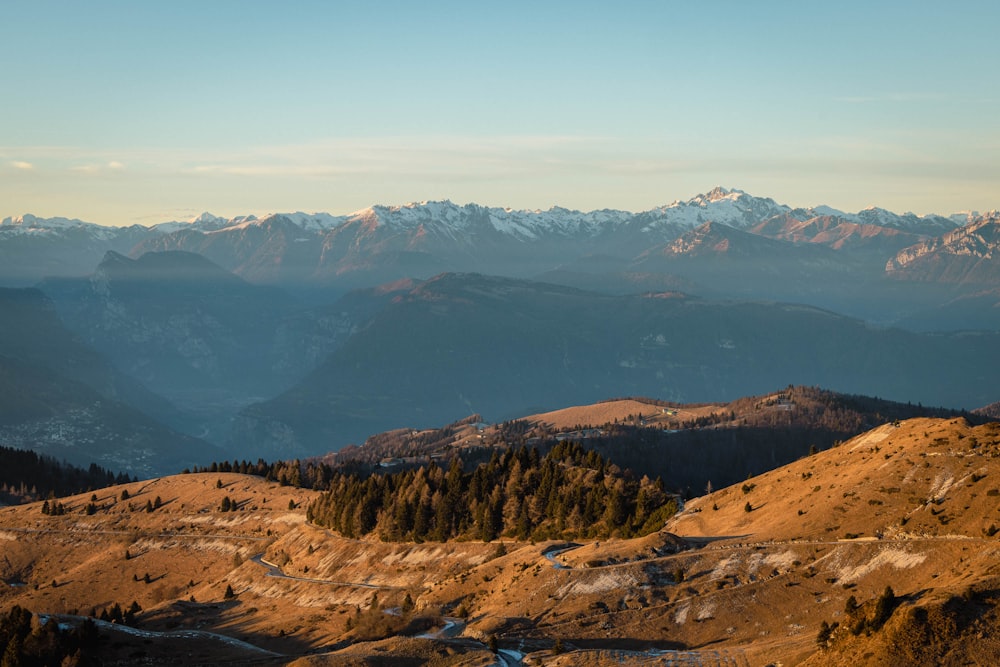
(26, 476)
(568, 493)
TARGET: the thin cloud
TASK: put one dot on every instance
(22, 165)
(114, 165)
(276, 170)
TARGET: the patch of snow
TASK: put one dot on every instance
(891, 556)
(725, 567)
(706, 612)
(942, 483)
(823, 210)
(606, 581)
(785, 559)
(680, 616)
(873, 437)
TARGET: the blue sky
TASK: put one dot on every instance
(124, 112)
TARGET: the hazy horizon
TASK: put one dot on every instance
(123, 113)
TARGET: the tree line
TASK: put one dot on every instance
(309, 475)
(26, 476)
(25, 642)
(568, 493)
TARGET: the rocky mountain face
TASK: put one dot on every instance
(419, 240)
(716, 260)
(61, 398)
(817, 255)
(461, 344)
(967, 255)
(385, 243)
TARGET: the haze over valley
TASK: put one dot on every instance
(294, 334)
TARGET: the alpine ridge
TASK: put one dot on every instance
(441, 235)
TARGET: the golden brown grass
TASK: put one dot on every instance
(914, 506)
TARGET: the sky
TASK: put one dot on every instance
(141, 112)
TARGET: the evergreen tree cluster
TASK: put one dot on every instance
(27, 476)
(116, 614)
(569, 493)
(55, 508)
(26, 643)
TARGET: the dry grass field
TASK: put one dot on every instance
(618, 410)
(744, 576)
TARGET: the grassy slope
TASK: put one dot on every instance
(755, 591)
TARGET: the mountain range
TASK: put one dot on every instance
(300, 333)
(419, 240)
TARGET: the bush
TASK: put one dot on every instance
(823, 636)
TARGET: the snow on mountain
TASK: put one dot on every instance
(824, 210)
(956, 252)
(731, 207)
(450, 219)
(722, 205)
(922, 224)
(30, 224)
(315, 221)
(206, 222)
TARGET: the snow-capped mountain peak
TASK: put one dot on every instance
(35, 226)
(205, 217)
(718, 193)
(29, 221)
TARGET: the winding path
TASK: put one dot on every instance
(67, 619)
(274, 570)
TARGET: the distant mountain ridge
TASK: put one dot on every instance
(963, 255)
(421, 239)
